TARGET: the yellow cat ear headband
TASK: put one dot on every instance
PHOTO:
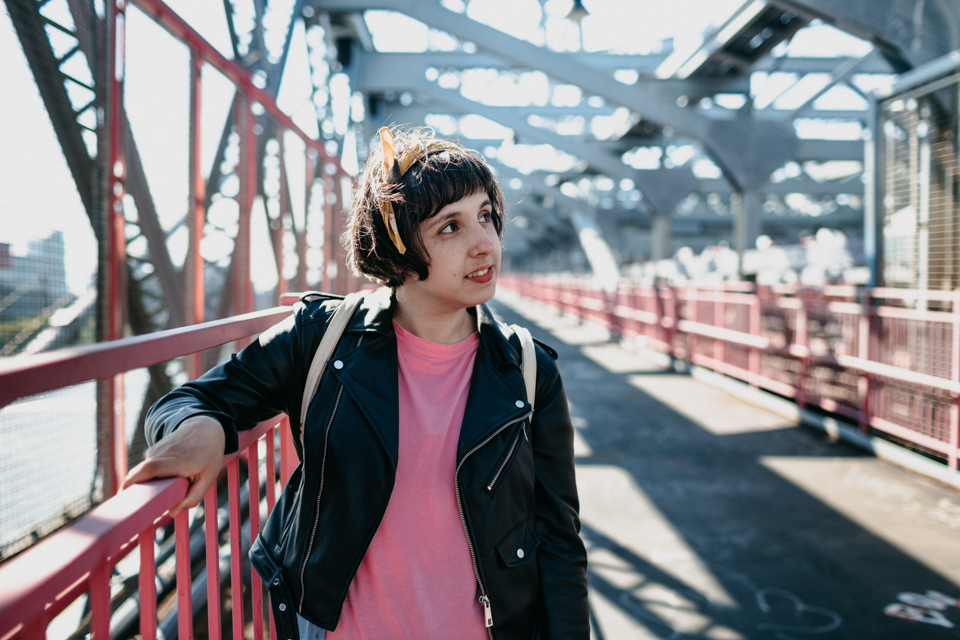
(406, 160)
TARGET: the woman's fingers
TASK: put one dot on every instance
(194, 451)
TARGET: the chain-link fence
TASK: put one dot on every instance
(919, 187)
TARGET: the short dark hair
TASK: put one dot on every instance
(431, 183)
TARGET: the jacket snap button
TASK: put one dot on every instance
(520, 553)
(338, 364)
(282, 607)
(519, 402)
(276, 581)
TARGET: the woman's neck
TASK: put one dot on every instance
(431, 324)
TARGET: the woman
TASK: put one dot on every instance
(429, 502)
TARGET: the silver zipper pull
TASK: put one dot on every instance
(487, 613)
(523, 427)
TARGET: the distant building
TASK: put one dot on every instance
(35, 281)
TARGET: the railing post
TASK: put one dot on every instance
(952, 454)
(148, 585)
(236, 579)
(719, 308)
(865, 386)
(801, 340)
(100, 601)
(212, 536)
(691, 303)
(184, 578)
(755, 330)
(253, 485)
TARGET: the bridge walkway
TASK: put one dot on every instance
(709, 517)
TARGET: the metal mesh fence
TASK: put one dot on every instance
(918, 182)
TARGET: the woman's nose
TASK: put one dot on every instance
(482, 244)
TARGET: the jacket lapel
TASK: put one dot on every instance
(370, 375)
(369, 372)
(495, 387)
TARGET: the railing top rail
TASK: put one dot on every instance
(22, 376)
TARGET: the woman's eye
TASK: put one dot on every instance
(450, 228)
(486, 216)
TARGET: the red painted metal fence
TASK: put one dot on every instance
(38, 584)
(888, 359)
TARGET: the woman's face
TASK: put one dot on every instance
(464, 256)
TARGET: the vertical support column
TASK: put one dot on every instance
(329, 235)
(913, 178)
(302, 249)
(112, 450)
(338, 251)
(662, 233)
(923, 176)
(286, 213)
(746, 222)
(193, 285)
(871, 191)
(247, 169)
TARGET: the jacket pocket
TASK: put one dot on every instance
(518, 547)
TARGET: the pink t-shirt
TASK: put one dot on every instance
(416, 579)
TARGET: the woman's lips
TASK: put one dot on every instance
(485, 276)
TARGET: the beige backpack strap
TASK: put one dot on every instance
(329, 342)
(529, 362)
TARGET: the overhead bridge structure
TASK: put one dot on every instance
(762, 189)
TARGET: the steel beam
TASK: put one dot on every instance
(652, 105)
(908, 34)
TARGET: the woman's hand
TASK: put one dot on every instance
(194, 451)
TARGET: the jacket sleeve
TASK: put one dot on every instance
(561, 556)
(264, 379)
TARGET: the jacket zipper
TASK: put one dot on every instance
(484, 598)
(323, 464)
(316, 518)
(506, 461)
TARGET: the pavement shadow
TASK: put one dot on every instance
(692, 534)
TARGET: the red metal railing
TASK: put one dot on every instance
(892, 367)
(38, 584)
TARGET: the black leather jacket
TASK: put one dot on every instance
(515, 476)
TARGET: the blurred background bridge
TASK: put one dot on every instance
(764, 188)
